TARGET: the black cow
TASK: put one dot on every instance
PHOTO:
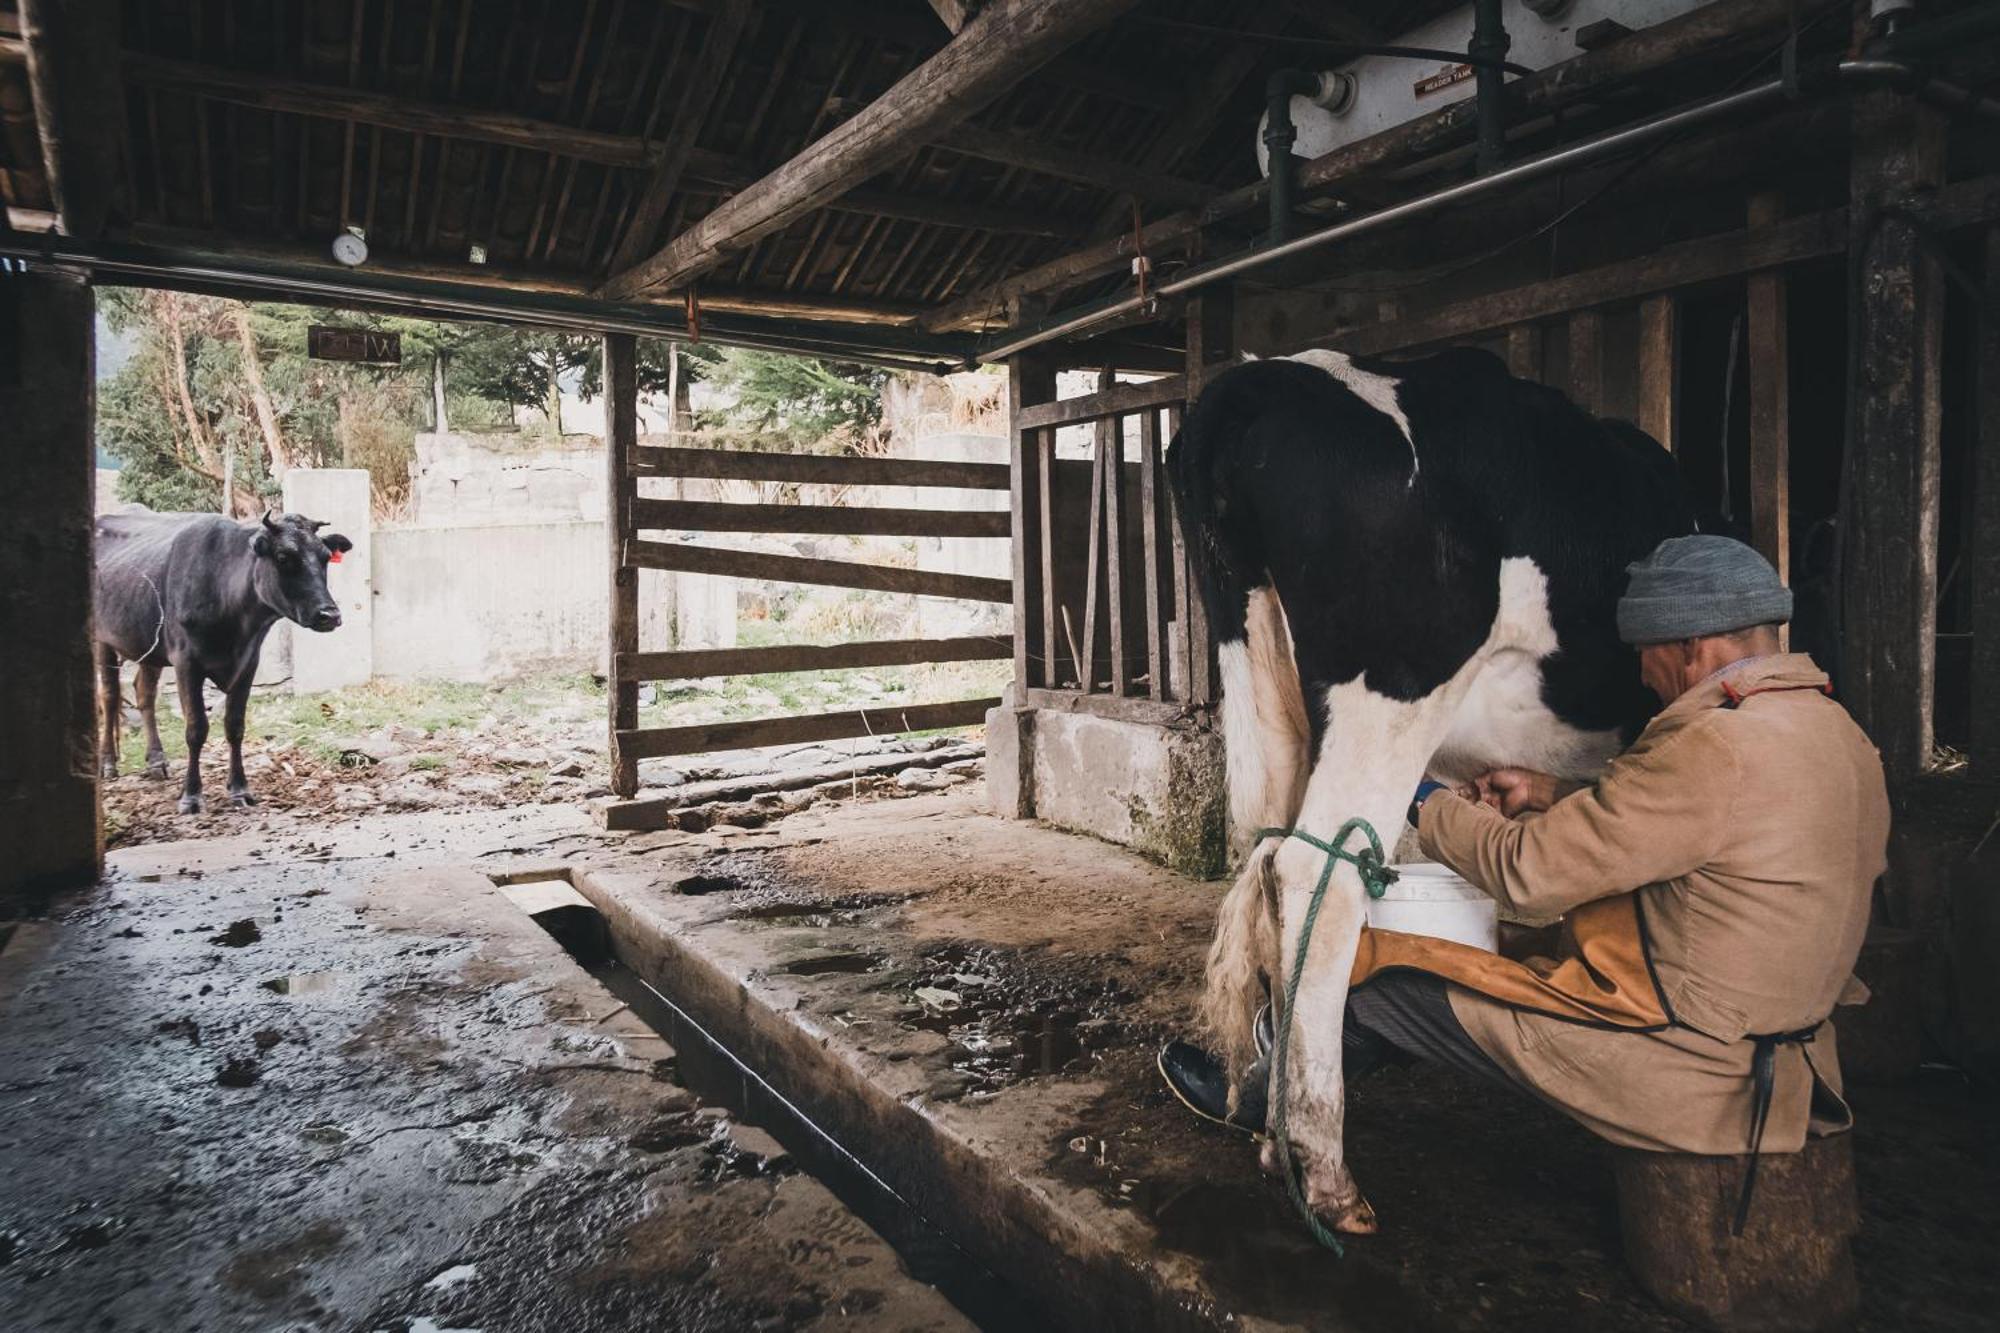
(1409, 568)
(198, 593)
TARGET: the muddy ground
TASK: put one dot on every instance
(358, 1093)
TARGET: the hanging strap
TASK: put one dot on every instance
(1376, 877)
(1763, 1083)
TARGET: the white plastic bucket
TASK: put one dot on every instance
(1428, 899)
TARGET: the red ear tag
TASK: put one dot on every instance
(333, 557)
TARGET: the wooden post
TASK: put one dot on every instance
(1985, 563)
(1524, 351)
(1031, 379)
(1889, 491)
(1770, 403)
(73, 76)
(1660, 369)
(621, 439)
(1586, 360)
(1211, 347)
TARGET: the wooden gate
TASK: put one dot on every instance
(631, 514)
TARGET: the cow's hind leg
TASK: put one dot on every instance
(146, 689)
(1268, 746)
(194, 709)
(237, 704)
(1370, 761)
(112, 716)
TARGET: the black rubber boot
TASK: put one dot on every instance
(1202, 1084)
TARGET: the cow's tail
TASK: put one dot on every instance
(1266, 736)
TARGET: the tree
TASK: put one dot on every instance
(796, 402)
(523, 367)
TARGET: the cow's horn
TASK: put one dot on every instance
(318, 523)
(269, 524)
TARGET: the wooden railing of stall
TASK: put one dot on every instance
(633, 514)
(1144, 670)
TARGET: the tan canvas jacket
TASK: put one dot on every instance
(1752, 819)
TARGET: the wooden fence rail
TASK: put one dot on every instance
(804, 728)
(690, 663)
(804, 569)
(840, 520)
(815, 469)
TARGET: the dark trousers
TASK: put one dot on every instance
(1409, 1012)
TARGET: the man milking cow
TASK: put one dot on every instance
(1713, 884)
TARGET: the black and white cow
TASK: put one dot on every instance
(198, 592)
(1409, 568)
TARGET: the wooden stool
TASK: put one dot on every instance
(1791, 1268)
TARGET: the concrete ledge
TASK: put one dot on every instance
(1156, 789)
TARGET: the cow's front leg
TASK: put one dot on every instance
(236, 705)
(146, 689)
(195, 711)
(113, 707)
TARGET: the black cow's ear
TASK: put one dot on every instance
(260, 545)
(335, 542)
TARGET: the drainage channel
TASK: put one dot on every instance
(719, 1076)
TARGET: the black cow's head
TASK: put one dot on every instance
(289, 560)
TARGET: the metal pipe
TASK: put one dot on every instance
(1279, 136)
(538, 311)
(1557, 160)
(1484, 53)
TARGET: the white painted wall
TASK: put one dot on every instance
(344, 656)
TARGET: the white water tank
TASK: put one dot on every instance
(1429, 899)
(1389, 90)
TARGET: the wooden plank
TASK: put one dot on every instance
(1045, 451)
(1770, 404)
(1703, 32)
(714, 516)
(1985, 535)
(827, 573)
(79, 107)
(1148, 711)
(1087, 669)
(1586, 360)
(1149, 534)
(1889, 494)
(703, 737)
(1524, 352)
(1116, 400)
(718, 52)
(817, 469)
(1211, 346)
(1185, 598)
(1660, 368)
(1031, 378)
(1007, 40)
(621, 388)
(692, 663)
(1038, 154)
(1111, 461)
(270, 92)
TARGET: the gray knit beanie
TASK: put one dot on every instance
(1695, 586)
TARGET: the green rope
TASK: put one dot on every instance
(1376, 877)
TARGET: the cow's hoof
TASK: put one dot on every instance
(157, 771)
(1356, 1219)
(242, 798)
(190, 805)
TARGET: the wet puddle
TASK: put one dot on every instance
(1007, 1024)
(843, 964)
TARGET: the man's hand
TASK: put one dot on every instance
(1518, 791)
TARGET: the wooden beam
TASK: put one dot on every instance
(1660, 369)
(718, 52)
(621, 390)
(835, 520)
(1770, 403)
(1586, 360)
(1211, 347)
(1033, 153)
(1524, 352)
(890, 720)
(693, 663)
(826, 573)
(954, 14)
(1889, 491)
(824, 469)
(1984, 562)
(1118, 400)
(729, 174)
(79, 108)
(1701, 33)
(1031, 381)
(274, 93)
(995, 51)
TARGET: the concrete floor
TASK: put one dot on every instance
(335, 1081)
(349, 1086)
